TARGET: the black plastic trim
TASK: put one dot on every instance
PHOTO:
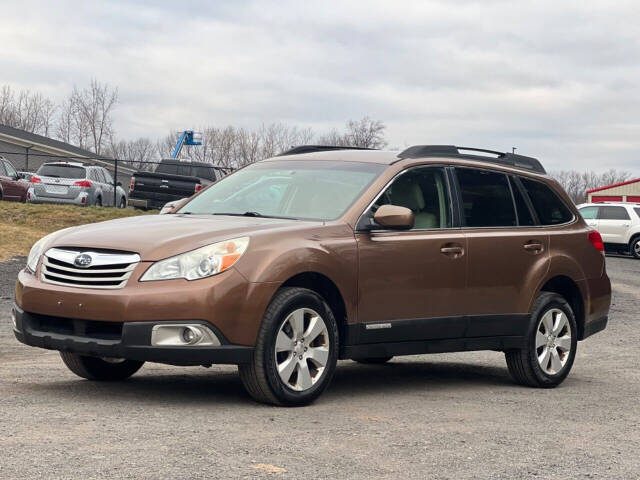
(594, 327)
(134, 344)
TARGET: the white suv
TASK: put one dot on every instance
(618, 224)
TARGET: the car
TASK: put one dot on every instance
(76, 184)
(12, 187)
(325, 253)
(617, 222)
(172, 180)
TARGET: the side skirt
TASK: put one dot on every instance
(391, 349)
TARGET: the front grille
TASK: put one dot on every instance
(77, 328)
(106, 269)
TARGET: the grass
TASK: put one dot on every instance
(21, 225)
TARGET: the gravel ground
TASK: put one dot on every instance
(433, 416)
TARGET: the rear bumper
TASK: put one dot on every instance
(131, 341)
(33, 198)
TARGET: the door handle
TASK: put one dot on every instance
(452, 250)
(533, 247)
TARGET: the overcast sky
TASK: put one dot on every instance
(560, 80)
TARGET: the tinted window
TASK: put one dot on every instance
(423, 191)
(486, 198)
(61, 171)
(186, 169)
(637, 210)
(614, 213)
(524, 214)
(550, 208)
(3, 171)
(315, 190)
(10, 170)
(589, 213)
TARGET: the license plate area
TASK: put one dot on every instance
(56, 189)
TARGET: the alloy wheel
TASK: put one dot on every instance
(553, 341)
(302, 349)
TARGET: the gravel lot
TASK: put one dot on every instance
(431, 416)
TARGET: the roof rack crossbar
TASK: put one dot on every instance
(318, 148)
(502, 158)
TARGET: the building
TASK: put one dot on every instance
(27, 151)
(628, 191)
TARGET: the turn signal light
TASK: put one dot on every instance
(83, 183)
(35, 179)
(596, 240)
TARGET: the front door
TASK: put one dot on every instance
(410, 283)
(613, 223)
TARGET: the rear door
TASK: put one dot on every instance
(507, 252)
(106, 186)
(410, 283)
(590, 215)
(613, 223)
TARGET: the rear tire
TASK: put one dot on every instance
(374, 360)
(551, 344)
(94, 368)
(123, 203)
(634, 248)
(296, 351)
(98, 202)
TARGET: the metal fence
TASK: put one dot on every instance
(114, 164)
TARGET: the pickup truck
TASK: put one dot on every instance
(172, 180)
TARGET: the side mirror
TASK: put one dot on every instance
(394, 217)
(119, 184)
(173, 206)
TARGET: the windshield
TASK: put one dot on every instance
(61, 171)
(309, 190)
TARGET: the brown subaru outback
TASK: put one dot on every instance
(322, 254)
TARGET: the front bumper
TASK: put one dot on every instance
(130, 340)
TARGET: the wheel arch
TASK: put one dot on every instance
(569, 289)
(328, 290)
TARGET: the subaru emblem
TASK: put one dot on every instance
(83, 260)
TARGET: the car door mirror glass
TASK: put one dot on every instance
(394, 217)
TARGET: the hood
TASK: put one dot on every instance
(155, 237)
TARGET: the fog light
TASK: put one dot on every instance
(183, 335)
(192, 335)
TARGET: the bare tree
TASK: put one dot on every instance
(139, 153)
(92, 107)
(366, 133)
(27, 111)
(577, 183)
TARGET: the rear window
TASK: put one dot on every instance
(187, 170)
(486, 198)
(637, 210)
(62, 171)
(550, 208)
(614, 213)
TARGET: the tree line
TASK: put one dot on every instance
(85, 119)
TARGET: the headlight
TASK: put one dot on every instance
(36, 252)
(201, 263)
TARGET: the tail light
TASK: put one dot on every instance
(132, 185)
(596, 240)
(35, 179)
(198, 187)
(83, 183)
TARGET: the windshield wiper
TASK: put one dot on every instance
(251, 214)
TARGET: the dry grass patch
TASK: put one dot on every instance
(21, 225)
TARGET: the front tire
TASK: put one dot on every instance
(94, 368)
(634, 248)
(296, 351)
(551, 344)
(123, 203)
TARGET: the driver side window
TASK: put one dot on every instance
(423, 190)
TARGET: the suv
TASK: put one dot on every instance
(618, 223)
(76, 184)
(320, 254)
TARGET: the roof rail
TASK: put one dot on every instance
(318, 148)
(501, 158)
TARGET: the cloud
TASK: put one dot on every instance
(559, 80)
